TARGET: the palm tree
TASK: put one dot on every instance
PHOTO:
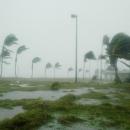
(34, 61)
(18, 52)
(48, 66)
(84, 65)
(5, 53)
(119, 47)
(80, 70)
(56, 66)
(101, 57)
(90, 56)
(69, 70)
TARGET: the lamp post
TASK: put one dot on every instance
(74, 16)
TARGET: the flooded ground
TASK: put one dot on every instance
(46, 94)
(9, 113)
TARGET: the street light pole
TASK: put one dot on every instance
(76, 47)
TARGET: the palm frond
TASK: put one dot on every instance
(48, 65)
(57, 65)
(10, 40)
(21, 49)
(70, 69)
(36, 59)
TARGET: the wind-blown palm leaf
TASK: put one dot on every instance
(120, 46)
(10, 40)
(57, 65)
(36, 59)
(125, 64)
(102, 57)
(70, 69)
(21, 49)
(90, 55)
(5, 53)
(48, 65)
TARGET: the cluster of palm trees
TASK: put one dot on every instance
(118, 47)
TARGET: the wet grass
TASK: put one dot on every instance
(94, 95)
(39, 111)
(29, 120)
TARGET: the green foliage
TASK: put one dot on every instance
(29, 120)
(57, 65)
(89, 55)
(55, 86)
(21, 49)
(70, 69)
(36, 60)
(48, 65)
(10, 40)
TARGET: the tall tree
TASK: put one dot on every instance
(90, 56)
(18, 52)
(84, 65)
(70, 69)
(34, 61)
(48, 66)
(119, 47)
(5, 52)
(56, 66)
(102, 56)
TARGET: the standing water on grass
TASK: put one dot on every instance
(46, 94)
(9, 113)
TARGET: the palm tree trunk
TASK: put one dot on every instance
(1, 67)
(54, 73)
(84, 70)
(117, 78)
(89, 69)
(32, 70)
(16, 66)
(45, 73)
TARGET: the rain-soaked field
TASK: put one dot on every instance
(50, 105)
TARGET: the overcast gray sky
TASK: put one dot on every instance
(45, 26)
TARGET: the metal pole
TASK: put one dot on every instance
(76, 51)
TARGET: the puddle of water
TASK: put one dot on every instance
(9, 113)
(46, 94)
(85, 101)
(24, 85)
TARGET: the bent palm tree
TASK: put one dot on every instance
(5, 53)
(18, 52)
(101, 57)
(34, 61)
(119, 47)
(56, 66)
(69, 70)
(48, 66)
(84, 65)
(90, 56)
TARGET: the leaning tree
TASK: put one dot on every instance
(89, 56)
(119, 47)
(18, 52)
(56, 66)
(48, 66)
(70, 69)
(5, 52)
(105, 42)
(34, 61)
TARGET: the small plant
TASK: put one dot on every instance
(55, 86)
